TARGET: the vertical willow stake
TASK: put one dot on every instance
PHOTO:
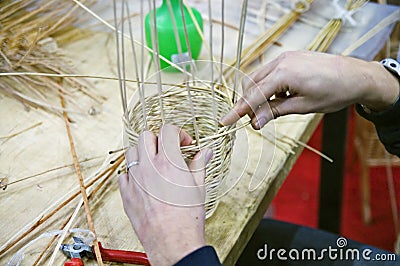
(139, 85)
(142, 64)
(239, 49)
(123, 97)
(258, 47)
(123, 60)
(214, 104)
(196, 128)
(221, 69)
(156, 54)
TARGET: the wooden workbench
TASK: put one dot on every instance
(259, 166)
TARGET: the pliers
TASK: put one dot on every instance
(79, 249)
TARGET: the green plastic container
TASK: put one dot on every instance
(166, 37)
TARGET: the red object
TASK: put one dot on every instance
(74, 262)
(297, 200)
(123, 256)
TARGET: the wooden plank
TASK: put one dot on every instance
(46, 147)
(262, 162)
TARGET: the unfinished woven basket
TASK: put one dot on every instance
(177, 111)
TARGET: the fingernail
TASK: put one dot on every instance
(221, 120)
(209, 155)
(261, 122)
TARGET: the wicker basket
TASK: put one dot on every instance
(177, 111)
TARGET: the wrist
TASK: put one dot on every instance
(383, 89)
(172, 249)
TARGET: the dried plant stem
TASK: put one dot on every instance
(392, 18)
(329, 32)
(40, 257)
(205, 43)
(27, 44)
(21, 131)
(81, 184)
(326, 36)
(258, 47)
(104, 22)
(48, 171)
(44, 217)
(112, 169)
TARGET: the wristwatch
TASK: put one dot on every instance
(393, 67)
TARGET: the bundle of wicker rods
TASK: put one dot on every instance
(177, 111)
(329, 32)
(28, 33)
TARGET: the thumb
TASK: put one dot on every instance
(198, 165)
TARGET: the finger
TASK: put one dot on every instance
(278, 107)
(131, 155)
(131, 197)
(258, 88)
(184, 138)
(248, 104)
(126, 189)
(259, 74)
(123, 181)
(263, 115)
(198, 165)
(169, 144)
(147, 146)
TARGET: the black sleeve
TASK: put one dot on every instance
(205, 256)
(387, 124)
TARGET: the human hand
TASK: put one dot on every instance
(309, 82)
(164, 197)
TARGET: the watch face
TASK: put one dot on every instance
(392, 65)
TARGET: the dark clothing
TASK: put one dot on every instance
(205, 256)
(387, 124)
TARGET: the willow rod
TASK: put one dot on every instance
(390, 19)
(176, 35)
(21, 131)
(123, 59)
(214, 107)
(81, 184)
(222, 41)
(120, 81)
(45, 172)
(329, 32)
(118, 161)
(199, 31)
(189, 50)
(139, 87)
(258, 47)
(43, 217)
(103, 21)
(239, 49)
(196, 128)
(156, 54)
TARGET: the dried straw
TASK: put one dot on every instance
(259, 46)
(329, 32)
(28, 34)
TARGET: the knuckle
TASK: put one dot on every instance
(169, 128)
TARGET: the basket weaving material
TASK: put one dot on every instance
(178, 111)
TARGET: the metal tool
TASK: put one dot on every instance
(79, 249)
